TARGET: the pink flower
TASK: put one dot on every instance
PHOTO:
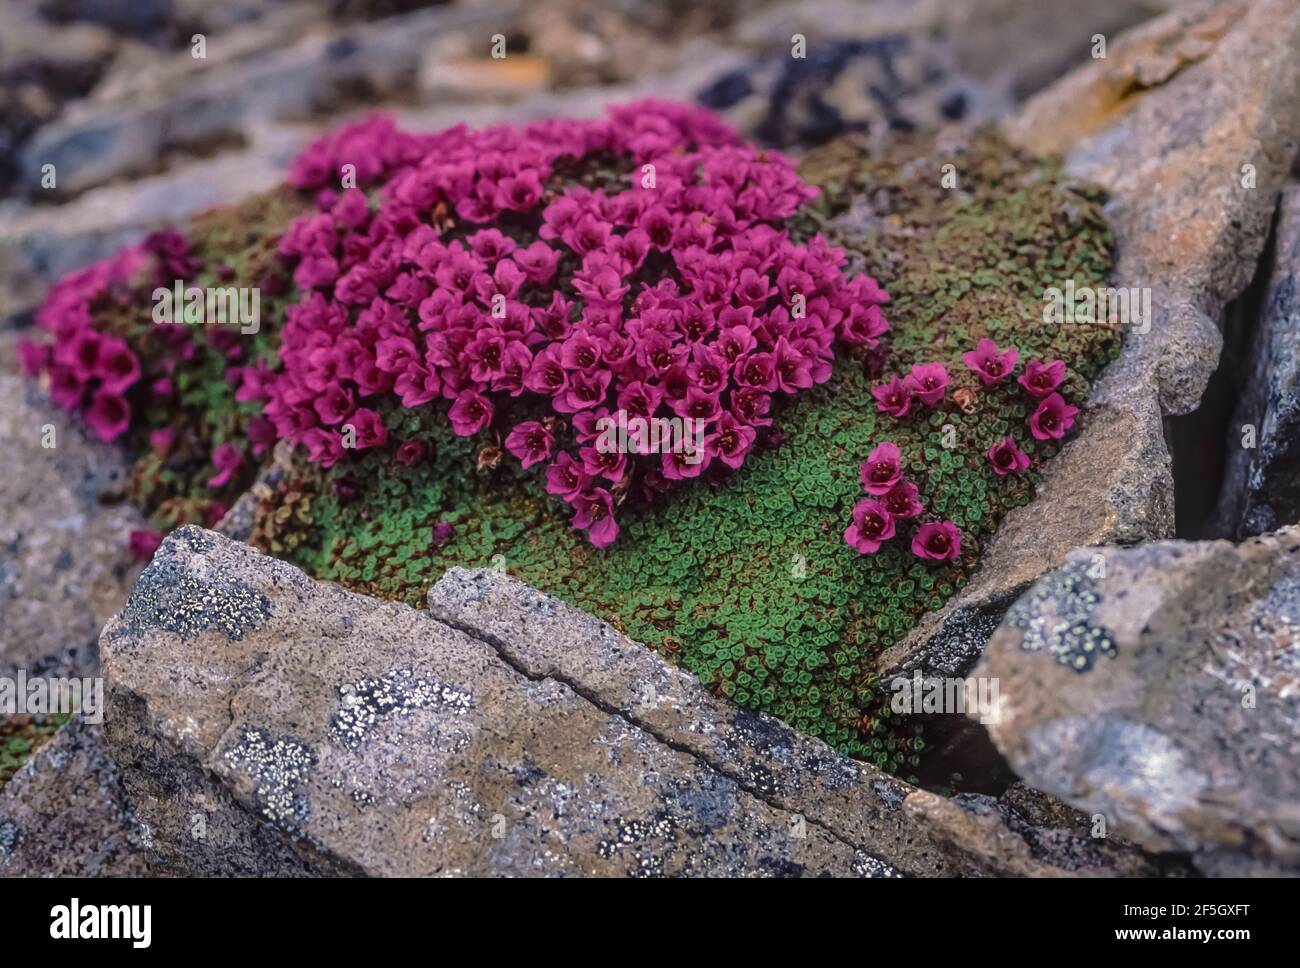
(681, 297)
(1041, 379)
(756, 370)
(334, 405)
(872, 526)
(593, 512)
(584, 390)
(80, 354)
(881, 470)
(538, 262)
(588, 234)
(989, 363)
(565, 477)
(609, 464)
(117, 367)
(143, 544)
(160, 440)
(547, 374)
(1007, 458)
(470, 413)
(902, 501)
(33, 357)
(519, 192)
(530, 442)
(730, 441)
(443, 532)
(793, 372)
(229, 461)
(108, 415)
(864, 325)
(684, 463)
(409, 453)
(66, 390)
(894, 397)
(698, 406)
(369, 428)
(937, 541)
(261, 434)
(751, 407)
(928, 382)
(1052, 418)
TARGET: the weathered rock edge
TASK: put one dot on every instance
(307, 730)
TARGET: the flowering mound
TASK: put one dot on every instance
(168, 392)
(545, 281)
(445, 339)
(91, 372)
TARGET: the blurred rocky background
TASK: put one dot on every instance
(141, 131)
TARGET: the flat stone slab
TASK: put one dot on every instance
(267, 724)
(1159, 688)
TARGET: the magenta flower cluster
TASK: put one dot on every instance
(485, 275)
(928, 384)
(893, 499)
(89, 371)
(874, 521)
(1053, 417)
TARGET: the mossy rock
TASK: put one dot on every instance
(748, 583)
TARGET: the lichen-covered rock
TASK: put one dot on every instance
(64, 814)
(872, 86)
(1155, 687)
(64, 567)
(1260, 491)
(914, 829)
(269, 724)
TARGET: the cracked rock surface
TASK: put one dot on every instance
(268, 724)
(1159, 687)
(1259, 487)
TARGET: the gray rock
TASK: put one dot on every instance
(269, 724)
(268, 71)
(64, 566)
(41, 243)
(878, 66)
(1157, 687)
(1025, 833)
(63, 814)
(1260, 491)
(1164, 123)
